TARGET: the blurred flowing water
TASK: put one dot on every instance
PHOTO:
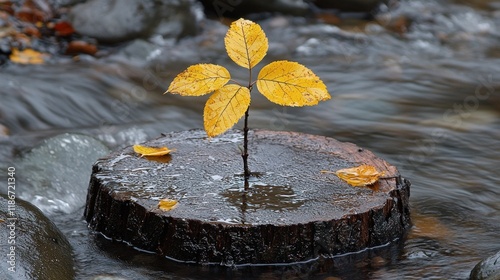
(426, 99)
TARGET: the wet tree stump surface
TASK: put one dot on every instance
(291, 212)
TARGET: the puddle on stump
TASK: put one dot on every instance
(260, 196)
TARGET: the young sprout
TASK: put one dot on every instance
(283, 82)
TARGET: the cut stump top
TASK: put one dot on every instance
(291, 212)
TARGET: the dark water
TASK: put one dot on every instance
(426, 100)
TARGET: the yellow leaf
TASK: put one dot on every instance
(27, 56)
(359, 176)
(167, 204)
(291, 84)
(199, 79)
(224, 108)
(151, 151)
(429, 227)
(246, 43)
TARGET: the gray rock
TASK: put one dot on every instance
(238, 8)
(55, 175)
(179, 18)
(113, 21)
(64, 3)
(108, 277)
(487, 269)
(360, 6)
(32, 246)
(138, 51)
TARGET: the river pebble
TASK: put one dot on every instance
(487, 269)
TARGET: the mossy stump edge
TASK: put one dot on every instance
(291, 212)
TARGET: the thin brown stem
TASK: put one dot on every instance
(244, 155)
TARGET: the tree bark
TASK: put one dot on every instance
(291, 212)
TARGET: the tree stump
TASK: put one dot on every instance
(291, 212)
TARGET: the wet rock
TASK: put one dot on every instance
(108, 277)
(240, 8)
(113, 21)
(178, 19)
(55, 173)
(32, 246)
(65, 3)
(359, 6)
(481, 4)
(487, 269)
(139, 51)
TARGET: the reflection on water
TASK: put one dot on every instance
(427, 100)
(263, 197)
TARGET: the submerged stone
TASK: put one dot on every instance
(32, 246)
(54, 174)
(487, 269)
(289, 211)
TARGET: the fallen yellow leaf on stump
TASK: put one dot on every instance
(151, 151)
(359, 176)
(167, 204)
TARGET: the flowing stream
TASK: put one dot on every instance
(427, 100)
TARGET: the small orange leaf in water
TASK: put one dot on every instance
(359, 176)
(151, 151)
(27, 56)
(167, 204)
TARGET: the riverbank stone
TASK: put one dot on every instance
(487, 269)
(290, 212)
(54, 174)
(353, 6)
(241, 8)
(111, 21)
(114, 21)
(32, 246)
